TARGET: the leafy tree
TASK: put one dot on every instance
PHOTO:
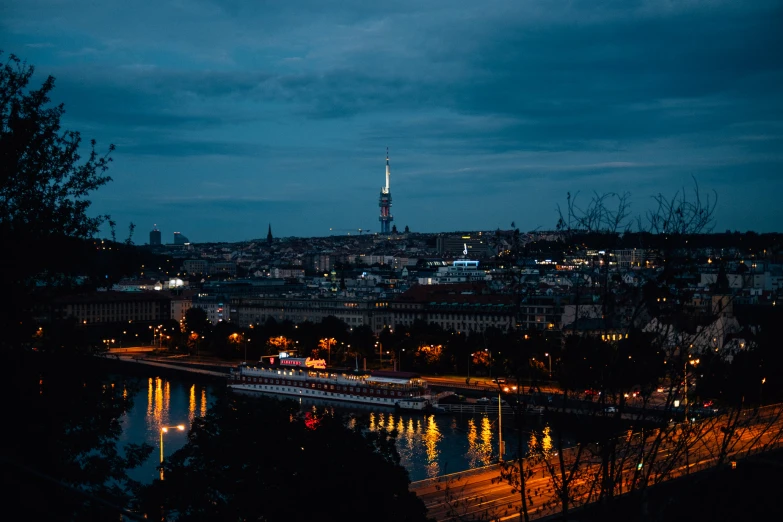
(44, 182)
(250, 457)
(62, 461)
(196, 321)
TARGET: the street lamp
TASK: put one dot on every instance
(165, 429)
(331, 341)
(694, 362)
(550, 365)
(490, 361)
(468, 379)
(761, 391)
(500, 426)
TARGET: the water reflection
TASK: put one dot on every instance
(428, 445)
(479, 449)
(164, 403)
(431, 438)
(192, 404)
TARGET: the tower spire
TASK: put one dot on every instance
(388, 172)
(269, 234)
(384, 202)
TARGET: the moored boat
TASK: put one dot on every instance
(307, 377)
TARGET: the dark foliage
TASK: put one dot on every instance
(261, 459)
(44, 182)
(60, 457)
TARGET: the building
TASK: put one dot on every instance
(282, 272)
(180, 304)
(298, 309)
(319, 262)
(101, 308)
(463, 245)
(155, 236)
(385, 201)
(462, 307)
(226, 268)
(460, 271)
(195, 266)
(180, 239)
(543, 312)
(214, 306)
(269, 238)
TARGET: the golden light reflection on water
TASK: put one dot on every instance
(431, 438)
(474, 454)
(157, 410)
(483, 447)
(192, 404)
(159, 403)
(150, 391)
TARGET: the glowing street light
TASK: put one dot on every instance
(550, 365)
(490, 361)
(165, 429)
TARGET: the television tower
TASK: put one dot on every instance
(384, 202)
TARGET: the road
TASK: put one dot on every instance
(482, 493)
(484, 385)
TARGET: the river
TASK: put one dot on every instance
(429, 445)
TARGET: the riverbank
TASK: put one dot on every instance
(164, 366)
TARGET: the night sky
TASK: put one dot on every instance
(231, 114)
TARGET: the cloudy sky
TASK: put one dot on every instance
(231, 114)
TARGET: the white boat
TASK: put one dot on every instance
(306, 377)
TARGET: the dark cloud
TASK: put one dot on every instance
(493, 109)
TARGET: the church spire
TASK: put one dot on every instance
(269, 234)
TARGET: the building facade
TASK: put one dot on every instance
(463, 245)
(155, 237)
(115, 307)
(195, 266)
(460, 307)
(354, 312)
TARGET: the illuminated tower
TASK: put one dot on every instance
(385, 201)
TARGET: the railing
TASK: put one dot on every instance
(475, 408)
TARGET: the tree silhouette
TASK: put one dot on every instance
(250, 454)
(44, 184)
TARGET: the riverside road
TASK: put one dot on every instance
(480, 492)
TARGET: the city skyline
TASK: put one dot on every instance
(228, 116)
